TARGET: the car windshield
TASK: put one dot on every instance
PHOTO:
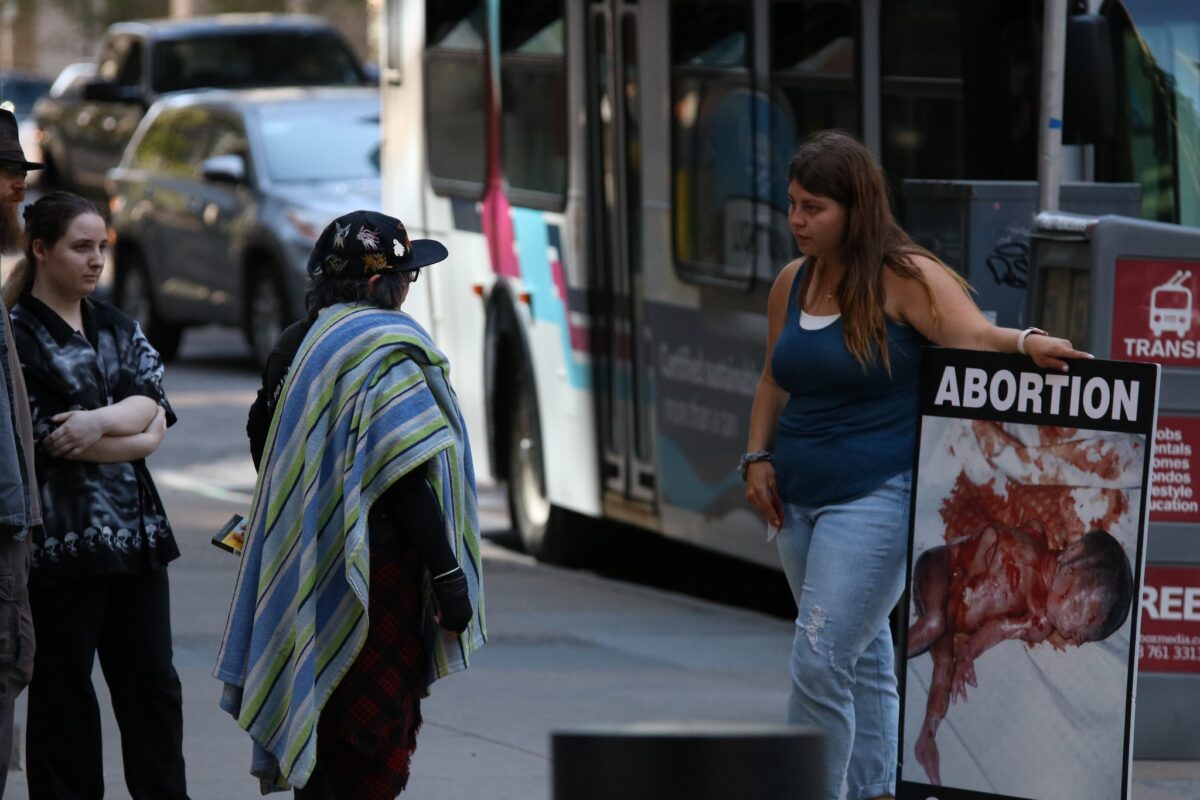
(255, 59)
(321, 141)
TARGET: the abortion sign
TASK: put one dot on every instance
(1155, 316)
(1030, 504)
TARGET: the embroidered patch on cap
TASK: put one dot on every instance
(368, 237)
(375, 262)
(339, 237)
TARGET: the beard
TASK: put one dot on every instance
(12, 237)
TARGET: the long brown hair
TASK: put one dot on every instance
(834, 164)
(46, 220)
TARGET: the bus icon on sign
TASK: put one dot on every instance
(1171, 306)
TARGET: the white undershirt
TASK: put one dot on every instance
(814, 322)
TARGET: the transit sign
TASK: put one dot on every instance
(1156, 315)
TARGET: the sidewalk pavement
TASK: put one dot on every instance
(567, 648)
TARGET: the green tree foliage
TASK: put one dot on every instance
(228, 6)
(93, 16)
(309, 6)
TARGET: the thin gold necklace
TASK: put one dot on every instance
(821, 300)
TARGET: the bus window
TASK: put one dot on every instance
(814, 62)
(533, 92)
(1158, 143)
(960, 89)
(815, 82)
(713, 140)
(921, 61)
(631, 98)
(455, 97)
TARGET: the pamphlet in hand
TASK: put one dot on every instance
(231, 535)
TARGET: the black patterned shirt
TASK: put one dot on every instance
(98, 518)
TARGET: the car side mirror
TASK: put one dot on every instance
(99, 90)
(229, 168)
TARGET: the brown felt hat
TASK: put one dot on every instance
(10, 143)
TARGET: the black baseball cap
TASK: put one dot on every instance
(365, 243)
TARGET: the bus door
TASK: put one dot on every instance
(623, 393)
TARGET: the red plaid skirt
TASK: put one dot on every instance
(368, 729)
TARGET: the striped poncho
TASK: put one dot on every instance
(366, 401)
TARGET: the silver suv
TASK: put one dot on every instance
(220, 196)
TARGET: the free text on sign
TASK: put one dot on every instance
(1170, 629)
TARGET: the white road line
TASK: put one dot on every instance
(186, 483)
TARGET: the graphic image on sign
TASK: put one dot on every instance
(1030, 504)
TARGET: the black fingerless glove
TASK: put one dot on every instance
(453, 599)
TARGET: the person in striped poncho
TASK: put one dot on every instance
(360, 582)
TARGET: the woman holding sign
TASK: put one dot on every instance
(832, 435)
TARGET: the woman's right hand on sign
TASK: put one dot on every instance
(762, 492)
(1050, 352)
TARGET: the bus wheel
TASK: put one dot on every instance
(537, 521)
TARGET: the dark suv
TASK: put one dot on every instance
(83, 137)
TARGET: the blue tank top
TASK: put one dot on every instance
(844, 430)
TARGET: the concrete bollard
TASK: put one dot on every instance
(688, 761)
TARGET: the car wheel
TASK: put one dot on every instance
(540, 524)
(134, 297)
(266, 314)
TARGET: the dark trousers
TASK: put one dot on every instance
(126, 619)
(367, 731)
(16, 657)
(11, 684)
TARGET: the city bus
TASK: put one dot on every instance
(610, 179)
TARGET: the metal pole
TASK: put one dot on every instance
(1054, 49)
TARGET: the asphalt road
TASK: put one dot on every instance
(627, 644)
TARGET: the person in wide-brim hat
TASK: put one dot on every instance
(20, 500)
(13, 166)
(11, 153)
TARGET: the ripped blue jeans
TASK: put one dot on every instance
(845, 565)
